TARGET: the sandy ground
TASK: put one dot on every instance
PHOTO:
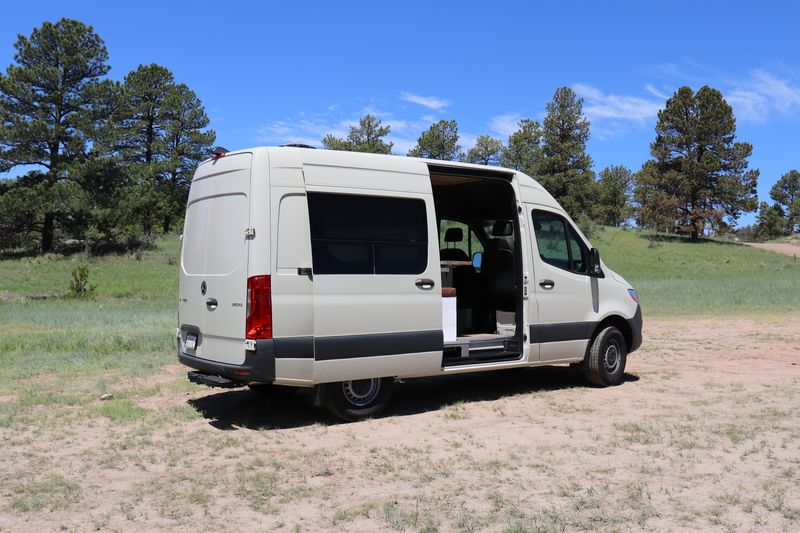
(703, 435)
(779, 247)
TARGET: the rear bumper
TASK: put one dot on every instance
(636, 329)
(258, 365)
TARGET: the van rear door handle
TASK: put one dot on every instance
(306, 272)
(424, 283)
(547, 284)
(211, 303)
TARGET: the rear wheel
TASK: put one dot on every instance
(605, 363)
(358, 399)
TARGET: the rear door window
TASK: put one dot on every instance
(359, 234)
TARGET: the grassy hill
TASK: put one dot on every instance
(679, 277)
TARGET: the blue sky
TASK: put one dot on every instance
(277, 72)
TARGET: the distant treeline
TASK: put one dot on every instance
(108, 164)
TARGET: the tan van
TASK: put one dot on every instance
(345, 271)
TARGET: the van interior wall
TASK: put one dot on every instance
(487, 206)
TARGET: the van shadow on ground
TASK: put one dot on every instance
(287, 408)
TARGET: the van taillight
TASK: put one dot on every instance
(259, 308)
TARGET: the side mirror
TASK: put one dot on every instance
(594, 264)
(477, 258)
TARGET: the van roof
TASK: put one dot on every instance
(295, 156)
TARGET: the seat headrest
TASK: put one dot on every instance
(453, 235)
(502, 228)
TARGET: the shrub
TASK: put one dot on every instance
(79, 286)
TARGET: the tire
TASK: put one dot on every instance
(604, 365)
(359, 398)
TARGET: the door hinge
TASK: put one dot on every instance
(249, 233)
(250, 345)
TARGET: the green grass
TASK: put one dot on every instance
(67, 353)
(149, 275)
(679, 277)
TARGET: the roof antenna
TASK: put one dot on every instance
(218, 151)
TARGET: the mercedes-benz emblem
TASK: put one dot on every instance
(203, 288)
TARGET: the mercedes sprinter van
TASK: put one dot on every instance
(346, 271)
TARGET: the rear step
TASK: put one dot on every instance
(213, 380)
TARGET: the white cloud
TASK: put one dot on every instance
(599, 106)
(401, 144)
(431, 102)
(505, 125)
(467, 140)
(761, 94)
(655, 91)
(755, 96)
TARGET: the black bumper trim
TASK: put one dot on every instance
(635, 324)
(258, 365)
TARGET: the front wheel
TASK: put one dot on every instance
(605, 363)
(358, 399)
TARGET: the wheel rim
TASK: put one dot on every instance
(361, 392)
(612, 358)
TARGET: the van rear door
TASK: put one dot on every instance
(213, 280)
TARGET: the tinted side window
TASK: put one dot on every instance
(558, 243)
(355, 234)
(551, 238)
(578, 253)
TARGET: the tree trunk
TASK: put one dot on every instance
(167, 223)
(48, 228)
(697, 228)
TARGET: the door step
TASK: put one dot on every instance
(213, 380)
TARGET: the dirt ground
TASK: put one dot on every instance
(784, 248)
(703, 435)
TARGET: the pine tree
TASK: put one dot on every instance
(440, 141)
(366, 137)
(613, 202)
(697, 162)
(161, 136)
(524, 149)
(48, 110)
(487, 151)
(566, 169)
(770, 222)
(786, 193)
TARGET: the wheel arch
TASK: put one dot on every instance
(618, 322)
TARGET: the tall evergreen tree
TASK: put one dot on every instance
(770, 222)
(524, 149)
(487, 151)
(366, 137)
(697, 162)
(160, 137)
(786, 193)
(48, 108)
(440, 141)
(612, 206)
(566, 169)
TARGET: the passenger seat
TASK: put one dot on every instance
(498, 268)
